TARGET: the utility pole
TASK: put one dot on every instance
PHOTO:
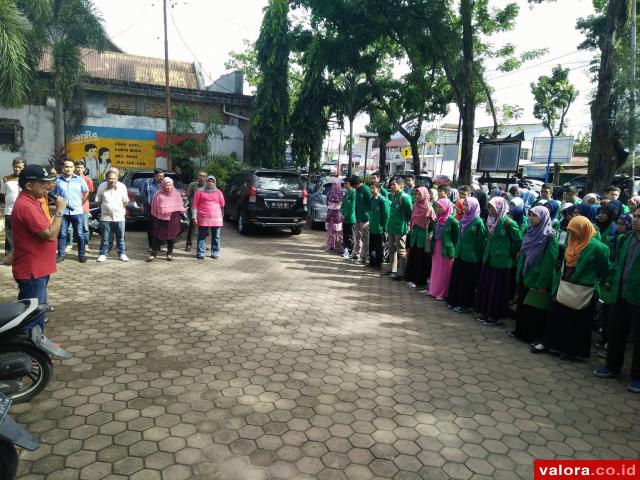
(632, 99)
(167, 94)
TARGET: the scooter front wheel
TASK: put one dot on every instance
(8, 461)
(37, 380)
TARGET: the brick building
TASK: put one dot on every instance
(125, 102)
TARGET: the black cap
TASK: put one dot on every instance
(34, 172)
(157, 170)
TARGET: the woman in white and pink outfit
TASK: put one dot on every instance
(208, 204)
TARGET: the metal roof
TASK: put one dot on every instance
(124, 67)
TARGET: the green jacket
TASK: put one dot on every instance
(399, 214)
(383, 191)
(411, 192)
(379, 215)
(450, 235)
(363, 203)
(525, 224)
(348, 207)
(542, 274)
(470, 246)
(502, 244)
(592, 266)
(632, 287)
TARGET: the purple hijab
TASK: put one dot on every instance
(536, 236)
(474, 211)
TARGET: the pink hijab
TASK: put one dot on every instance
(502, 207)
(447, 209)
(422, 210)
(165, 203)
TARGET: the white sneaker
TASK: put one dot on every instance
(86, 248)
(124, 257)
(101, 258)
(345, 254)
(68, 248)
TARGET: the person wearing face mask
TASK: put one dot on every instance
(113, 198)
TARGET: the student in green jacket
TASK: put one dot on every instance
(363, 209)
(419, 264)
(536, 273)
(605, 224)
(410, 187)
(586, 262)
(469, 251)
(398, 227)
(375, 178)
(624, 284)
(377, 226)
(348, 212)
(503, 243)
(443, 249)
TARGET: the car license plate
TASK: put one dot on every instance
(5, 403)
(280, 205)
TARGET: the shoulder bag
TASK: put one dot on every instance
(572, 295)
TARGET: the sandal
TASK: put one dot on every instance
(537, 348)
(150, 258)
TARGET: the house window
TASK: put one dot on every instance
(524, 154)
(10, 134)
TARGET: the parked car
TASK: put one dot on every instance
(266, 198)
(133, 180)
(580, 183)
(318, 201)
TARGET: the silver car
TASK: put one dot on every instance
(318, 201)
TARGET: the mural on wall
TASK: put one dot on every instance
(103, 147)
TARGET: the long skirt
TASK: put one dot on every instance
(463, 284)
(494, 287)
(530, 321)
(167, 229)
(418, 266)
(440, 272)
(334, 234)
(569, 331)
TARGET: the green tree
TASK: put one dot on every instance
(380, 123)
(64, 27)
(311, 112)
(19, 53)
(553, 97)
(246, 62)
(582, 143)
(271, 103)
(190, 142)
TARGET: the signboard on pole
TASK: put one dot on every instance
(406, 152)
(552, 150)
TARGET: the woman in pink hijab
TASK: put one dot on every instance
(166, 208)
(421, 223)
(445, 238)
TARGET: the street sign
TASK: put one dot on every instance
(406, 152)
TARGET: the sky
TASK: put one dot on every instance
(205, 31)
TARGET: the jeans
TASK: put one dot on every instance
(76, 221)
(34, 288)
(147, 210)
(108, 229)
(215, 240)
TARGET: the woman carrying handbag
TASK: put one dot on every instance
(586, 262)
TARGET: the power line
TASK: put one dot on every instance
(534, 66)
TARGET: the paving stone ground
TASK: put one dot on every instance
(281, 361)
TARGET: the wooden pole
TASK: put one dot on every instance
(167, 94)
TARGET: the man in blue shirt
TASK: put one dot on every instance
(148, 191)
(75, 191)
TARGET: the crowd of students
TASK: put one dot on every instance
(562, 269)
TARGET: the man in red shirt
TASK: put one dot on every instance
(35, 237)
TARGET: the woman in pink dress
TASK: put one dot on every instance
(165, 209)
(334, 219)
(208, 203)
(445, 238)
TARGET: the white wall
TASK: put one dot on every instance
(37, 124)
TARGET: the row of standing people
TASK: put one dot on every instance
(553, 262)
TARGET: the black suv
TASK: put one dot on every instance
(133, 180)
(266, 198)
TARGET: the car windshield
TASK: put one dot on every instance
(138, 179)
(278, 181)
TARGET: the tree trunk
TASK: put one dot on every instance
(605, 153)
(349, 167)
(58, 122)
(415, 154)
(382, 161)
(468, 107)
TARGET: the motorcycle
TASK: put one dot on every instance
(12, 434)
(25, 351)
